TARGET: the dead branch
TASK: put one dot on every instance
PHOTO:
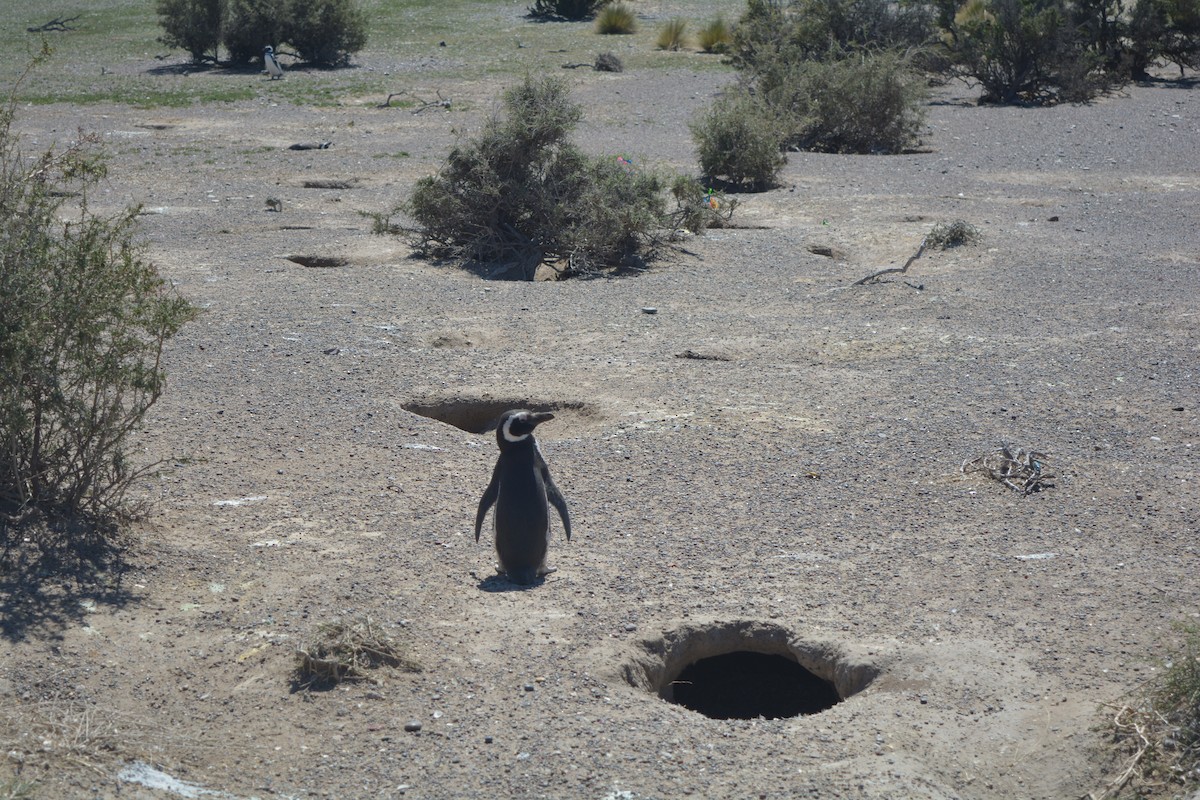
(56, 24)
(425, 105)
(1021, 470)
(1143, 745)
(871, 278)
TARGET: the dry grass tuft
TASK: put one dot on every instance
(1159, 731)
(347, 651)
(617, 18)
(672, 35)
(715, 37)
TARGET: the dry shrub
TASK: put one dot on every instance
(958, 233)
(1158, 731)
(347, 652)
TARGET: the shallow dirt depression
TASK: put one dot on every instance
(746, 670)
(480, 415)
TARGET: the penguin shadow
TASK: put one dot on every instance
(495, 584)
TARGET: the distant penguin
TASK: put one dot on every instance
(270, 62)
(519, 489)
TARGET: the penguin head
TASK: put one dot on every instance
(268, 50)
(517, 426)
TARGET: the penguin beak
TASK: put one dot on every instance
(540, 417)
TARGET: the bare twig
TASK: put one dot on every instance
(871, 278)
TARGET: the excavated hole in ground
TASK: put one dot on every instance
(481, 415)
(746, 670)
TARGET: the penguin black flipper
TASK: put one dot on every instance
(556, 499)
(488, 500)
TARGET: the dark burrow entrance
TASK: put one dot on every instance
(747, 669)
(746, 685)
(476, 415)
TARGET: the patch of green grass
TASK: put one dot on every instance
(113, 54)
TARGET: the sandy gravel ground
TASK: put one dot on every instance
(799, 486)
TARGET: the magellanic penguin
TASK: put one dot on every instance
(519, 489)
(271, 63)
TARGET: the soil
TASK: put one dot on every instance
(795, 488)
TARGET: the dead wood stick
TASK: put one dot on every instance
(56, 24)
(890, 270)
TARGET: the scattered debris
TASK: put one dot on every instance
(692, 354)
(344, 651)
(240, 501)
(1018, 469)
(142, 774)
(605, 62)
(330, 183)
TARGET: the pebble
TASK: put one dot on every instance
(488, 740)
(412, 726)
(649, 310)
(529, 687)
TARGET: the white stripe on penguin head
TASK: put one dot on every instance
(507, 429)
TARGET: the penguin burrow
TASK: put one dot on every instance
(521, 489)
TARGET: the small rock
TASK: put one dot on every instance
(649, 310)
(488, 740)
(529, 687)
(412, 726)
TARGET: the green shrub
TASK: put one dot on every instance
(715, 37)
(800, 30)
(1044, 51)
(1167, 30)
(84, 319)
(739, 140)
(322, 32)
(192, 25)
(566, 9)
(672, 35)
(522, 194)
(861, 103)
(325, 32)
(617, 18)
(251, 25)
